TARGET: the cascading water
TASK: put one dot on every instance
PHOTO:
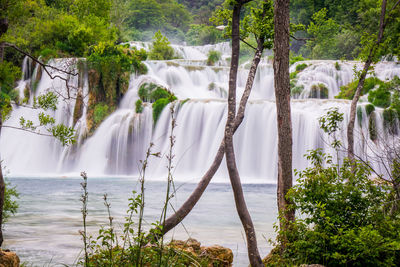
(120, 142)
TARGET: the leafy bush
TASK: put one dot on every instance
(10, 204)
(380, 97)
(344, 219)
(213, 57)
(348, 91)
(161, 48)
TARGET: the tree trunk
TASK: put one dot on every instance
(353, 106)
(244, 215)
(185, 209)
(282, 95)
(2, 188)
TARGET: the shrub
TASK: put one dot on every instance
(348, 91)
(380, 97)
(161, 48)
(213, 57)
(10, 203)
(293, 59)
(296, 91)
(344, 218)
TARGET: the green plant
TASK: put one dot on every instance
(293, 58)
(337, 66)
(158, 107)
(139, 106)
(344, 220)
(101, 111)
(10, 200)
(301, 67)
(380, 97)
(369, 108)
(348, 91)
(161, 48)
(213, 57)
(319, 91)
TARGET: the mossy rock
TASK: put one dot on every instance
(390, 120)
(319, 91)
(301, 67)
(359, 115)
(78, 109)
(369, 109)
(373, 134)
(297, 90)
(151, 92)
(139, 106)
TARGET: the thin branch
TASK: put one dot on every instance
(26, 130)
(39, 62)
(241, 39)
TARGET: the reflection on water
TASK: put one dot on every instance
(44, 232)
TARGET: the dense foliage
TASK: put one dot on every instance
(344, 217)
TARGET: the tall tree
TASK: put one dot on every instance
(283, 112)
(262, 28)
(241, 207)
(369, 61)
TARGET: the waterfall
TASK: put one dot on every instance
(120, 142)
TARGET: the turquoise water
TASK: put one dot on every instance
(45, 231)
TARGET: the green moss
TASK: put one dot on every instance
(293, 75)
(158, 107)
(101, 111)
(213, 57)
(301, 67)
(337, 66)
(184, 101)
(359, 115)
(139, 106)
(151, 92)
(389, 120)
(319, 91)
(296, 91)
(369, 109)
(373, 134)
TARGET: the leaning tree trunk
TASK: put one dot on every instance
(185, 209)
(353, 106)
(3, 29)
(244, 215)
(282, 95)
(2, 188)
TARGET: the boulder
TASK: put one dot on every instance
(8, 259)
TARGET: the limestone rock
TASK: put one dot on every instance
(8, 259)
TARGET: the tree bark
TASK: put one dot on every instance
(360, 85)
(241, 207)
(188, 205)
(283, 112)
(2, 188)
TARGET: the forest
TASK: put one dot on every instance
(199, 133)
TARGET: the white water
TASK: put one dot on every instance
(120, 142)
